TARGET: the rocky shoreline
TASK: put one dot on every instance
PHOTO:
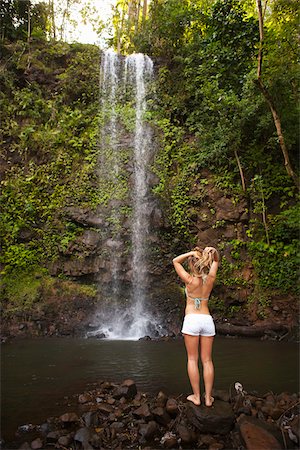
(118, 416)
(34, 329)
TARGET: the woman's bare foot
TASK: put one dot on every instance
(209, 401)
(194, 399)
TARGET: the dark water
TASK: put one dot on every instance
(37, 374)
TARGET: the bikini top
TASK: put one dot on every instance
(197, 300)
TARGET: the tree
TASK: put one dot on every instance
(269, 99)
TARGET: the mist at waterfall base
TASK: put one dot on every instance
(123, 314)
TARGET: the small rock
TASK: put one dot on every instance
(53, 436)
(276, 413)
(244, 410)
(36, 444)
(90, 419)
(25, 446)
(187, 436)
(111, 401)
(216, 446)
(107, 386)
(117, 425)
(69, 417)
(172, 407)
(266, 410)
(143, 412)
(206, 439)
(161, 399)
(161, 416)
(169, 440)
(127, 390)
(64, 440)
(148, 430)
(83, 435)
(84, 398)
(105, 408)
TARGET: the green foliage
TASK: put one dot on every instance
(21, 289)
(260, 299)
(31, 290)
(207, 111)
(276, 264)
(217, 305)
(230, 273)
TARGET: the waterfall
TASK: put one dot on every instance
(109, 159)
(140, 70)
(126, 316)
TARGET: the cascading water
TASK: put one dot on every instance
(127, 317)
(109, 160)
(140, 72)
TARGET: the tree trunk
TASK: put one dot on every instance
(52, 16)
(240, 170)
(28, 24)
(269, 99)
(145, 10)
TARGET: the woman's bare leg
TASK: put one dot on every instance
(206, 343)
(192, 349)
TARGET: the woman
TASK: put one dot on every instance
(198, 324)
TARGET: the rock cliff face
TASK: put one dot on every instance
(218, 221)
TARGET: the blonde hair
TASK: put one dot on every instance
(202, 263)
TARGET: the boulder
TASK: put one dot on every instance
(259, 435)
(218, 419)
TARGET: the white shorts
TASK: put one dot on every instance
(198, 325)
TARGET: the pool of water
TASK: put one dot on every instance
(38, 373)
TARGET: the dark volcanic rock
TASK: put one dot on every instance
(148, 430)
(69, 417)
(161, 416)
(140, 420)
(172, 407)
(259, 435)
(127, 390)
(218, 419)
(143, 412)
